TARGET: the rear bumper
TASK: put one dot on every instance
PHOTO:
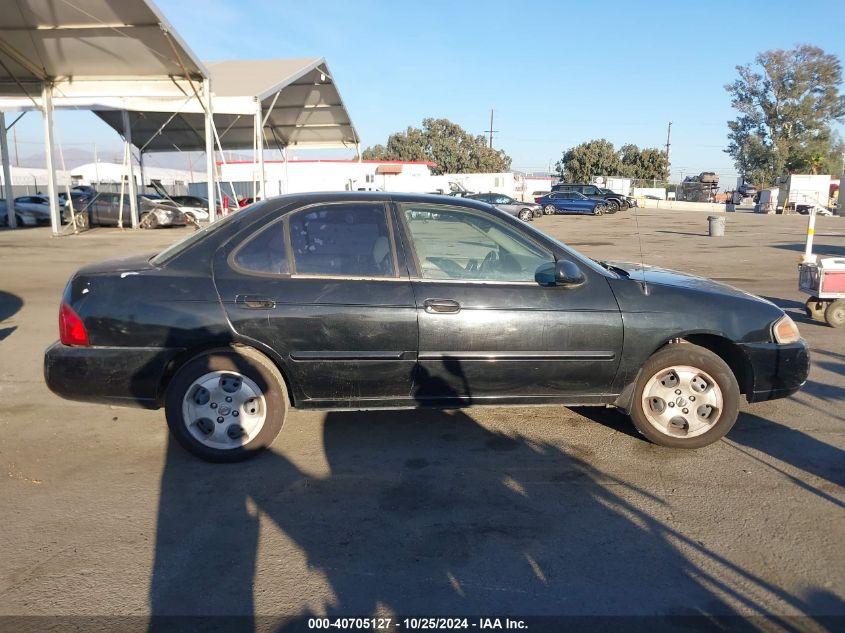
(124, 376)
(777, 371)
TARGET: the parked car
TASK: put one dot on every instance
(153, 211)
(38, 206)
(615, 201)
(625, 202)
(525, 211)
(22, 216)
(535, 195)
(572, 202)
(369, 300)
(193, 206)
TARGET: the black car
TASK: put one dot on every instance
(615, 201)
(372, 300)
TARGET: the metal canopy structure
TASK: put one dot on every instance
(299, 103)
(88, 52)
(66, 41)
(122, 60)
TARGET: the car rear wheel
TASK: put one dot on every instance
(549, 209)
(686, 397)
(525, 215)
(226, 405)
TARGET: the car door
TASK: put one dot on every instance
(487, 329)
(322, 287)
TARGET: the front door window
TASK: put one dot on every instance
(468, 245)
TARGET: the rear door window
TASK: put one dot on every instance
(343, 240)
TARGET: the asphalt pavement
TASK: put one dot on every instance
(500, 511)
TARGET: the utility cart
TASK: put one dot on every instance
(824, 280)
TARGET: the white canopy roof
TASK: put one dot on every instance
(75, 42)
(300, 106)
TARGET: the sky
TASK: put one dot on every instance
(556, 73)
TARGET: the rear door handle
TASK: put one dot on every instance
(255, 302)
(441, 306)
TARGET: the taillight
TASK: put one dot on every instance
(71, 329)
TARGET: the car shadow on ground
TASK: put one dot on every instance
(430, 512)
(10, 304)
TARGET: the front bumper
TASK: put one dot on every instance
(124, 376)
(169, 218)
(777, 371)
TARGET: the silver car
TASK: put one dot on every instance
(38, 206)
(525, 211)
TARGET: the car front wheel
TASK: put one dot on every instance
(226, 405)
(686, 397)
(525, 215)
(549, 209)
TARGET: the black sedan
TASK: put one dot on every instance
(371, 300)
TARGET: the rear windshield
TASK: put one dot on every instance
(169, 253)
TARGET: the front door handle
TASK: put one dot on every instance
(255, 302)
(441, 306)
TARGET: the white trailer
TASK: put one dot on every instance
(804, 189)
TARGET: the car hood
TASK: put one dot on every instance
(676, 279)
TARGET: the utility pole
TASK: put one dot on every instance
(491, 130)
(668, 137)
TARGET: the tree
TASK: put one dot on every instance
(600, 158)
(787, 103)
(644, 164)
(581, 163)
(451, 148)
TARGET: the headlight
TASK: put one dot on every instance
(784, 330)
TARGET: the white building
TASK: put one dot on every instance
(111, 173)
(299, 176)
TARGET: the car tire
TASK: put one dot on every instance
(706, 408)
(148, 221)
(239, 386)
(550, 209)
(834, 314)
(82, 221)
(525, 215)
(814, 308)
(612, 206)
(599, 210)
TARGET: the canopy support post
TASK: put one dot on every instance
(209, 148)
(52, 191)
(7, 173)
(141, 169)
(287, 178)
(259, 144)
(133, 190)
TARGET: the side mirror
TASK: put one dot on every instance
(560, 273)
